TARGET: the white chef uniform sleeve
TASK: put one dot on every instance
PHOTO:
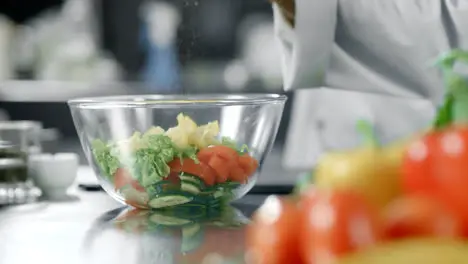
(456, 21)
(307, 46)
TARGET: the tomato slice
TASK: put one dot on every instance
(173, 178)
(200, 169)
(272, 237)
(237, 174)
(248, 164)
(221, 167)
(421, 216)
(336, 223)
(122, 178)
(224, 152)
(205, 154)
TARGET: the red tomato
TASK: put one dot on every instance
(200, 169)
(122, 178)
(420, 216)
(272, 237)
(336, 223)
(173, 178)
(417, 176)
(248, 164)
(438, 164)
(221, 167)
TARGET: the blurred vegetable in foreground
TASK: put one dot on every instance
(429, 251)
(336, 223)
(418, 184)
(372, 170)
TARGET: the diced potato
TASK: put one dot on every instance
(186, 124)
(179, 137)
(154, 131)
(205, 135)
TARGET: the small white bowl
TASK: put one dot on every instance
(53, 174)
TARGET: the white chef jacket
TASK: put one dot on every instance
(382, 47)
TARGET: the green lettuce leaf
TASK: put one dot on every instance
(455, 105)
(107, 163)
(150, 162)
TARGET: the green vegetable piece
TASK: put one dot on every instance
(192, 238)
(150, 163)
(367, 131)
(165, 220)
(170, 199)
(455, 106)
(303, 182)
(107, 163)
(444, 115)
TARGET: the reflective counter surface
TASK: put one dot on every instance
(92, 228)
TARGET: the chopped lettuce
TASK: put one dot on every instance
(147, 163)
(150, 164)
(232, 144)
(107, 162)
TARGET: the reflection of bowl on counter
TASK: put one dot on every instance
(162, 151)
(171, 235)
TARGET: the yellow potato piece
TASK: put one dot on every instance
(428, 251)
(205, 135)
(186, 124)
(154, 131)
(178, 136)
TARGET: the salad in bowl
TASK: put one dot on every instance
(188, 163)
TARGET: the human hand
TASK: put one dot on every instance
(288, 8)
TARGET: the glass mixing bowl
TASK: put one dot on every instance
(161, 151)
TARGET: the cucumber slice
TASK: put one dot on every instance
(191, 211)
(218, 194)
(168, 200)
(161, 187)
(191, 178)
(165, 220)
(189, 186)
(192, 238)
(205, 199)
(229, 185)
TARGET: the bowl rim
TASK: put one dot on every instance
(178, 100)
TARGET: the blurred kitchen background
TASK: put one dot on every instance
(55, 50)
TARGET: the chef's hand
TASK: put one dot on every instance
(288, 8)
